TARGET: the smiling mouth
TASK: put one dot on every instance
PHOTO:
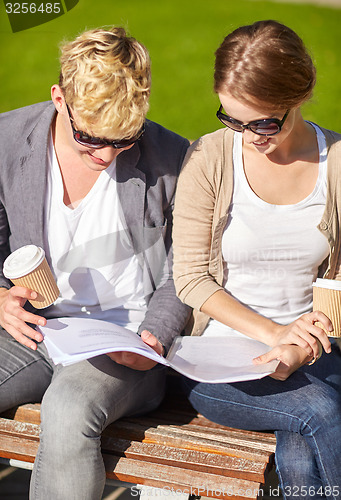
(262, 143)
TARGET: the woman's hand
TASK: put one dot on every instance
(13, 316)
(291, 357)
(305, 333)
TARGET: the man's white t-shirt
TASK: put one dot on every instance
(272, 253)
(96, 270)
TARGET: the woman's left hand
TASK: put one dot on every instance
(291, 357)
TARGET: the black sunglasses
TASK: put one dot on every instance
(97, 143)
(267, 126)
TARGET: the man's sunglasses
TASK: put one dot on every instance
(267, 126)
(97, 143)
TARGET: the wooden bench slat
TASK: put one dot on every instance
(18, 448)
(18, 428)
(194, 482)
(159, 418)
(226, 436)
(188, 459)
(173, 436)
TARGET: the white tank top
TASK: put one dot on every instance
(271, 253)
(97, 272)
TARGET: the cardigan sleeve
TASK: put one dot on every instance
(195, 204)
(330, 223)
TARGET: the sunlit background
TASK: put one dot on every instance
(182, 36)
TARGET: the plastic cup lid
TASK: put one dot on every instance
(331, 284)
(23, 261)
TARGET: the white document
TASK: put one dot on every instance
(205, 359)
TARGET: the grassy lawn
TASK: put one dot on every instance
(181, 36)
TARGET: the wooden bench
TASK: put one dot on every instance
(173, 449)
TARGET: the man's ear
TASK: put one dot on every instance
(57, 97)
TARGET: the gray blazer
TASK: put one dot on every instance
(146, 178)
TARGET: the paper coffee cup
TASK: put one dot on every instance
(28, 267)
(327, 298)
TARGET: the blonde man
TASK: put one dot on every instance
(96, 182)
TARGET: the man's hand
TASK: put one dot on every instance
(136, 361)
(291, 357)
(13, 316)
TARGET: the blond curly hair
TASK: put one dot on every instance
(105, 78)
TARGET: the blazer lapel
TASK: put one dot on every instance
(131, 187)
(34, 160)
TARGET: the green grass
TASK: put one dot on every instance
(181, 37)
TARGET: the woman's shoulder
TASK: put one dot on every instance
(209, 161)
(333, 138)
(215, 139)
(211, 148)
(333, 142)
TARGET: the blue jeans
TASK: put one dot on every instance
(78, 402)
(305, 413)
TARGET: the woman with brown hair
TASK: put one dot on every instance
(257, 216)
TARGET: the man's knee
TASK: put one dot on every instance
(68, 411)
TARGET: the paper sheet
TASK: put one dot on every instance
(205, 359)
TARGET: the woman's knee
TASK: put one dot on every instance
(294, 458)
(322, 411)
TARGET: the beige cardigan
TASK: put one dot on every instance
(201, 210)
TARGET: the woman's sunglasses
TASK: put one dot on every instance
(267, 126)
(97, 143)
